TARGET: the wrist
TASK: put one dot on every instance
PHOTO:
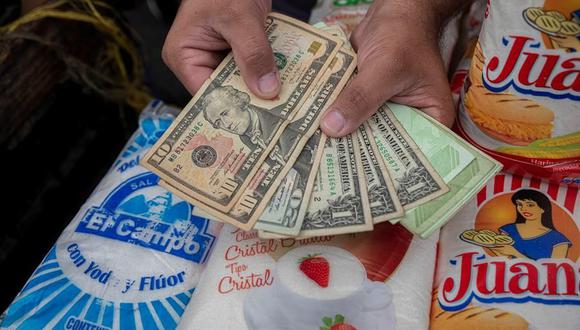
(429, 15)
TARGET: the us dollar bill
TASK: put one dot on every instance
(293, 139)
(463, 167)
(280, 160)
(286, 210)
(339, 201)
(336, 31)
(383, 200)
(218, 142)
(416, 181)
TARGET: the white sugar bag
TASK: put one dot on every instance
(376, 280)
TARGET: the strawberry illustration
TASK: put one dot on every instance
(336, 324)
(316, 268)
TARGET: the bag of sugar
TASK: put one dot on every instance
(376, 280)
(131, 257)
(520, 100)
(509, 260)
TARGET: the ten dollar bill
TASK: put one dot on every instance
(216, 145)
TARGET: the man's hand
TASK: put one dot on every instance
(398, 60)
(202, 33)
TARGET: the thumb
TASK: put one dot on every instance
(432, 97)
(442, 110)
(254, 57)
(355, 104)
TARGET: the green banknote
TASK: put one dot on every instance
(336, 31)
(463, 176)
(447, 154)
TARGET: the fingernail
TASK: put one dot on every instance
(268, 83)
(333, 122)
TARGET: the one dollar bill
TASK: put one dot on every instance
(383, 200)
(416, 181)
(339, 202)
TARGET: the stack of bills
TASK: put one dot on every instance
(265, 165)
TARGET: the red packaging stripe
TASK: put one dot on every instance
(553, 191)
(535, 183)
(516, 182)
(481, 196)
(570, 201)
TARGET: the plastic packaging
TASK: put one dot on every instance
(376, 280)
(520, 101)
(509, 259)
(129, 259)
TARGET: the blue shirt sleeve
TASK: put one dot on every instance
(556, 238)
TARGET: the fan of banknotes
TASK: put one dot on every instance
(265, 165)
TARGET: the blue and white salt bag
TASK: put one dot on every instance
(130, 258)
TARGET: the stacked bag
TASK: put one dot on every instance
(130, 258)
(519, 101)
(377, 280)
(510, 258)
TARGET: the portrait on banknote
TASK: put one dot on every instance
(230, 109)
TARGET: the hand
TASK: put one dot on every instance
(506, 250)
(398, 60)
(203, 31)
(569, 43)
